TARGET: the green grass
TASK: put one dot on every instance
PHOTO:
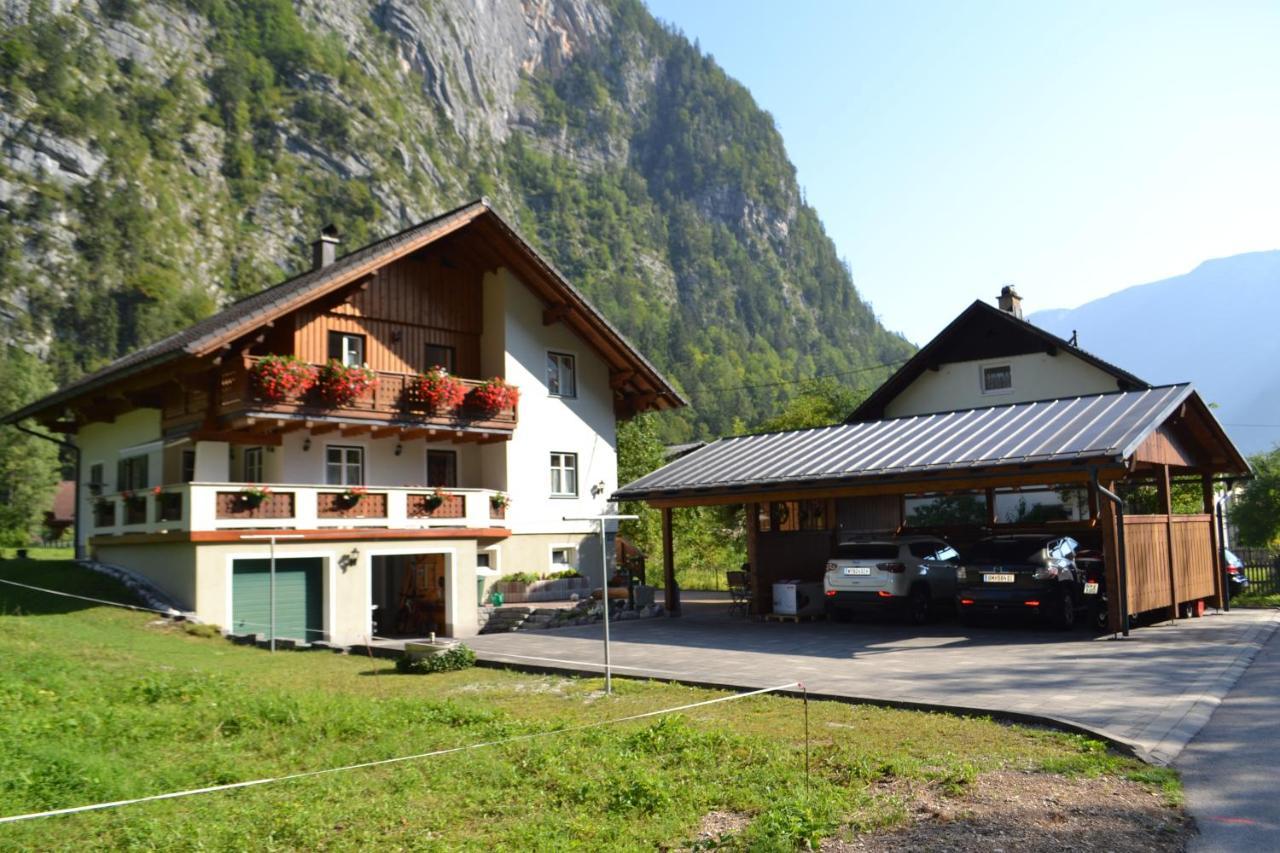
(103, 704)
(1254, 599)
(37, 553)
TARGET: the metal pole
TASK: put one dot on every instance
(273, 594)
(604, 572)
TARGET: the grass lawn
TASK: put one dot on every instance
(100, 704)
(1253, 599)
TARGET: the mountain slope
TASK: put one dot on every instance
(1220, 322)
(160, 158)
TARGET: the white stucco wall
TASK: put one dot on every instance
(1036, 376)
(131, 434)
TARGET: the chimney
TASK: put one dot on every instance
(324, 250)
(1010, 301)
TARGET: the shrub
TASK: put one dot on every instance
(438, 391)
(341, 385)
(458, 657)
(279, 377)
(519, 577)
(564, 575)
(492, 396)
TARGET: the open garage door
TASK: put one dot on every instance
(299, 598)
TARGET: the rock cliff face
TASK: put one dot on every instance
(160, 158)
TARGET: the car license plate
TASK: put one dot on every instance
(1091, 588)
(997, 578)
(857, 570)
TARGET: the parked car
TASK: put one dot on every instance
(1237, 581)
(1094, 590)
(916, 574)
(1021, 574)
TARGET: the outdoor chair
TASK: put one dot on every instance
(739, 592)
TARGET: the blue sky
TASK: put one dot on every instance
(1072, 149)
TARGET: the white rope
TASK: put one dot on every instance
(384, 761)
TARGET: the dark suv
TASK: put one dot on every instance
(1021, 574)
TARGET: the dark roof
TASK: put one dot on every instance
(1102, 427)
(981, 332)
(247, 314)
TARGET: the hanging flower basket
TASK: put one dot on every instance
(351, 496)
(436, 499)
(499, 500)
(277, 378)
(251, 497)
(339, 385)
(492, 396)
(438, 391)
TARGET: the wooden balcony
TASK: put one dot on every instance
(392, 402)
(229, 506)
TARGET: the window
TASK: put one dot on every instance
(997, 379)
(1039, 505)
(97, 477)
(564, 475)
(253, 465)
(958, 510)
(346, 348)
(439, 355)
(790, 516)
(561, 381)
(562, 558)
(188, 472)
(482, 560)
(344, 466)
(442, 468)
(131, 474)
(934, 552)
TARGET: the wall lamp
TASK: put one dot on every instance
(399, 448)
(306, 443)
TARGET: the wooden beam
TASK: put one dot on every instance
(618, 378)
(671, 597)
(556, 313)
(1110, 558)
(1208, 497)
(1166, 502)
(324, 429)
(411, 434)
(753, 559)
(354, 429)
(233, 436)
(386, 432)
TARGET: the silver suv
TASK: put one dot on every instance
(916, 574)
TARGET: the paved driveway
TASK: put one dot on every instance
(1154, 690)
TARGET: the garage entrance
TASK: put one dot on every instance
(299, 598)
(409, 595)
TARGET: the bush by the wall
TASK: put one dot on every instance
(458, 657)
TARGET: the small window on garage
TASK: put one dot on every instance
(563, 558)
(784, 516)
(997, 378)
(1040, 505)
(813, 515)
(958, 510)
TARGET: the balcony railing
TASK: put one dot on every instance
(232, 506)
(392, 399)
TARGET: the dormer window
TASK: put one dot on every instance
(997, 378)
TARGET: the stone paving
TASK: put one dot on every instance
(1154, 690)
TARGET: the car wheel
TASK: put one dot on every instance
(1065, 617)
(1098, 616)
(920, 606)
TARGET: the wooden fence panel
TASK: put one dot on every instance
(1146, 548)
(1193, 555)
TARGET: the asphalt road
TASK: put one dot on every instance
(1231, 769)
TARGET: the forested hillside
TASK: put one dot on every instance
(162, 158)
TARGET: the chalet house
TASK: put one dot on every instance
(407, 420)
(994, 426)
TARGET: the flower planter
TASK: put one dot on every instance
(428, 506)
(273, 505)
(548, 590)
(340, 505)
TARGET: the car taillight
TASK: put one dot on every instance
(966, 601)
(1232, 570)
(1032, 603)
(884, 593)
(895, 568)
(831, 592)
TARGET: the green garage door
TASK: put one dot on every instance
(299, 598)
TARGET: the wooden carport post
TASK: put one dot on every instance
(753, 558)
(1166, 501)
(1110, 557)
(1210, 508)
(671, 600)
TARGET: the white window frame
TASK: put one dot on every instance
(559, 466)
(343, 465)
(562, 360)
(982, 379)
(254, 457)
(571, 552)
(345, 355)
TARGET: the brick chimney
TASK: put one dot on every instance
(1010, 301)
(324, 250)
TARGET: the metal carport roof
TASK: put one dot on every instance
(1103, 427)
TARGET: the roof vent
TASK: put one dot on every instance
(324, 250)
(1009, 301)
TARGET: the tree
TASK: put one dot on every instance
(640, 451)
(1256, 512)
(821, 402)
(28, 466)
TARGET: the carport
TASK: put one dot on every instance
(1131, 473)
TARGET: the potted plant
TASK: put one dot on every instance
(436, 499)
(351, 495)
(437, 390)
(277, 378)
(341, 385)
(251, 497)
(498, 503)
(492, 396)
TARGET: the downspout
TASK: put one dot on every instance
(1122, 569)
(75, 452)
